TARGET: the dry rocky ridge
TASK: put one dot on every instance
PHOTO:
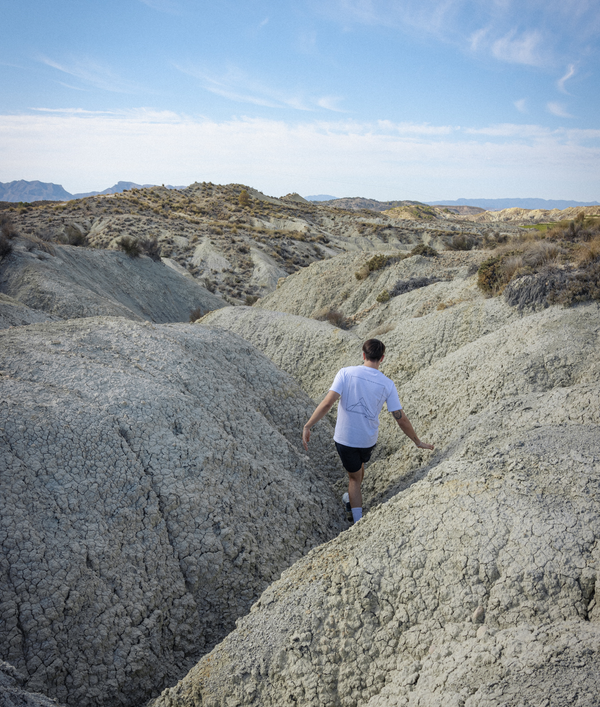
(237, 250)
(152, 486)
(472, 580)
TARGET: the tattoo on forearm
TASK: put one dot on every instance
(397, 414)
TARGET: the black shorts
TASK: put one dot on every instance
(353, 457)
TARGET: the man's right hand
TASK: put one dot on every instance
(424, 445)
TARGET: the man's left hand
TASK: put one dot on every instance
(306, 437)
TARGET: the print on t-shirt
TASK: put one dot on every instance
(356, 404)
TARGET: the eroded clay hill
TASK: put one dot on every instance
(473, 578)
(152, 485)
(41, 282)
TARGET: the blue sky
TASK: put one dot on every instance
(412, 99)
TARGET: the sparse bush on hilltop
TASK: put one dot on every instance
(130, 246)
(244, 198)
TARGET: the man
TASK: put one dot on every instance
(362, 390)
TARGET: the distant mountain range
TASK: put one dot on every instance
(499, 204)
(22, 190)
(461, 205)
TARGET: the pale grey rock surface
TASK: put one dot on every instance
(75, 282)
(152, 484)
(472, 579)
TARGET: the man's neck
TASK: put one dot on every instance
(372, 364)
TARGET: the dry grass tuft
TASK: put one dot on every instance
(425, 250)
(586, 253)
(333, 316)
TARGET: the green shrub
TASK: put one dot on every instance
(251, 299)
(491, 275)
(377, 262)
(383, 296)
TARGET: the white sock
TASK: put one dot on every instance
(356, 514)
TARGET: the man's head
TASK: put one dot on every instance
(373, 349)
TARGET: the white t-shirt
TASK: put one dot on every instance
(363, 391)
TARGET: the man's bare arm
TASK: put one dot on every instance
(321, 410)
(407, 428)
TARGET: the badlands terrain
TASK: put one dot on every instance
(166, 540)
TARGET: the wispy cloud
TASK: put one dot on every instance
(526, 48)
(93, 74)
(236, 85)
(521, 105)
(528, 32)
(385, 160)
(561, 82)
(558, 109)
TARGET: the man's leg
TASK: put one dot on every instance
(354, 492)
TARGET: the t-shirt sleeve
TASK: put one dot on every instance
(392, 401)
(338, 382)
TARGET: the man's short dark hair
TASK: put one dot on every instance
(374, 349)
